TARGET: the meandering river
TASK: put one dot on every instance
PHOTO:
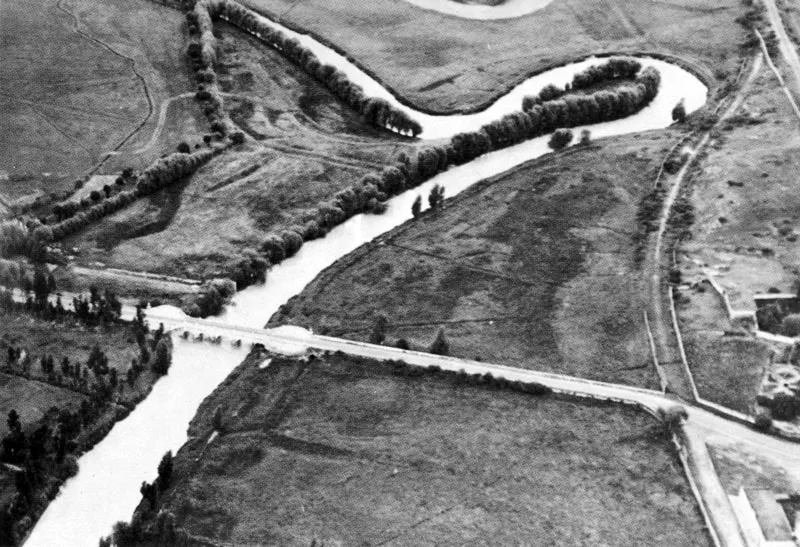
(106, 489)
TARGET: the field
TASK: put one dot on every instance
(305, 147)
(745, 235)
(534, 268)
(78, 80)
(345, 452)
(445, 63)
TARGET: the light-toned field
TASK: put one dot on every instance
(535, 267)
(344, 452)
(75, 76)
(443, 62)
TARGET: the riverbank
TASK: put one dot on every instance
(64, 411)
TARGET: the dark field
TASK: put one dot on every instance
(345, 452)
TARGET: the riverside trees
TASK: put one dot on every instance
(540, 118)
(203, 54)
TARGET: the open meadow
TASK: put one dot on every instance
(83, 78)
(345, 452)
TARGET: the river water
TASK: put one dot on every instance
(106, 489)
(510, 9)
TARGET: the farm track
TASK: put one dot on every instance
(132, 61)
(162, 120)
(664, 337)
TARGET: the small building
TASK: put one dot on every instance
(762, 519)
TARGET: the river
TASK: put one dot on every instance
(106, 489)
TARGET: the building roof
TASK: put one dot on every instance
(770, 515)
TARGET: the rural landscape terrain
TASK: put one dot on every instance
(399, 272)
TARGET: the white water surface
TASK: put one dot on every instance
(106, 488)
(510, 9)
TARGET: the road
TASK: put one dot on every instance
(663, 335)
(785, 44)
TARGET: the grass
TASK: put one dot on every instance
(306, 147)
(444, 63)
(727, 371)
(68, 99)
(534, 268)
(342, 451)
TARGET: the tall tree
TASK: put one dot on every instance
(416, 207)
(440, 346)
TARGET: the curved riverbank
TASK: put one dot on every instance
(695, 69)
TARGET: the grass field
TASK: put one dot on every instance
(72, 88)
(442, 62)
(305, 147)
(343, 451)
(534, 267)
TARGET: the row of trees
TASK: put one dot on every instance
(616, 68)
(409, 171)
(202, 51)
(377, 111)
(162, 173)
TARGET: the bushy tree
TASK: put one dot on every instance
(416, 207)
(679, 112)
(560, 139)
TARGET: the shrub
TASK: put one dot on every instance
(560, 139)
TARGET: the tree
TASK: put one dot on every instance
(560, 139)
(436, 197)
(440, 346)
(416, 207)
(785, 407)
(378, 334)
(95, 196)
(184, 148)
(237, 137)
(679, 112)
(790, 326)
(586, 137)
(107, 190)
(165, 471)
(13, 422)
(216, 420)
(163, 357)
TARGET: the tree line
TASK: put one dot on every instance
(409, 171)
(203, 53)
(162, 173)
(616, 68)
